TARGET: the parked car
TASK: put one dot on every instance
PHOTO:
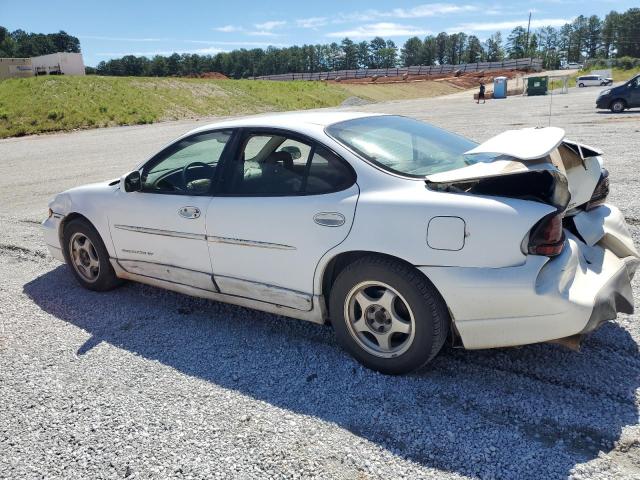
(572, 66)
(619, 98)
(593, 80)
(399, 233)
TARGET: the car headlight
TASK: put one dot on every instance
(605, 92)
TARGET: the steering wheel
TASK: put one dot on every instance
(185, 180)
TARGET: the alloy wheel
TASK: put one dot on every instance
(379, 319)
(84, 257)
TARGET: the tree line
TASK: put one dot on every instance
(614, 36)
(21, 44)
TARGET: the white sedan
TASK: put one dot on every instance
(399, 233)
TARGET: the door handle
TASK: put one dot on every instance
(189, 212)
(329, 219)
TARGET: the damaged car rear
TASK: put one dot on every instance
(520, 242)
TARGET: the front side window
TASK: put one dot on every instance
(278, 165)
(186, 167)
(405, 146)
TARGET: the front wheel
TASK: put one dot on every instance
(618, 106)
(388, 315)
(88, 257)
(581, 85)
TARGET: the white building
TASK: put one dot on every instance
(62, 63)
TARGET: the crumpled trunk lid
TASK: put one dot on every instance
(536, 164)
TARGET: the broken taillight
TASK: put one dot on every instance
(601, 191)
(547, 236)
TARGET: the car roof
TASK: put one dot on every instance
(288, 120)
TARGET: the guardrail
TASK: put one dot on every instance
(533, 63)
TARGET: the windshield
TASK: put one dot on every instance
(405, 146)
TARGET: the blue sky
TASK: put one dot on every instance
(114, 28)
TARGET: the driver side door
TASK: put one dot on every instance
(160, 231)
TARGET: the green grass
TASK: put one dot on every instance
(48, 104)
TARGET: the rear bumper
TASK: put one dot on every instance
(545, 299)
(50, 229)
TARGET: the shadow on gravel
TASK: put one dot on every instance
(626, 112)
(532, 412)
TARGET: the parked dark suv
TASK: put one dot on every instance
(617, 99)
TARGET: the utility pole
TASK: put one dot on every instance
(526, 47)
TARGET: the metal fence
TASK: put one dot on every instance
(532, 63)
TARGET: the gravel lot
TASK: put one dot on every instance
(143, 383)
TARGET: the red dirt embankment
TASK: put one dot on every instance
(462, 80)
(210, 75)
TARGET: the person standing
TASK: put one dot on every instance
(481, 94)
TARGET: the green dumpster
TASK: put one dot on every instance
(537, 85)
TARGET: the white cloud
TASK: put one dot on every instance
(201, 51)
(124, 39)
(312, 22)
(419, 11)
(382, 29)
(263, 33)
(228, 28)
(270, 25)
(508, 25)
(428, 10)
(240, 43)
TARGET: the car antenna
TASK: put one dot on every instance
(550, 103)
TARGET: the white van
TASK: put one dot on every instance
(593, 80)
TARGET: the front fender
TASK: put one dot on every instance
(90, 202)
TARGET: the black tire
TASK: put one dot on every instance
(105, 277)
(430, 324)
(581, 85)
(618, 106)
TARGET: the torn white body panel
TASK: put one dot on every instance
(545, 299)
(574, 168)
(523, 144)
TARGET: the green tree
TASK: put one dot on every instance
(412, 52)
(517, 43)
(593, 39)
(441, 48)
(627, 42)
(609, 32)
(429, 50)
(349, 54)
(376, 47)
(495, 52)
(475, 52)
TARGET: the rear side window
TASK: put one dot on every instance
(279, 165)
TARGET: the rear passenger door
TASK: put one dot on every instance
(286, 202)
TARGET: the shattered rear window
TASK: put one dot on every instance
(405, 146)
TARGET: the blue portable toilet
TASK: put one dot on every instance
(500, 87)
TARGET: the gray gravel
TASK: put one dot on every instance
(143, 383)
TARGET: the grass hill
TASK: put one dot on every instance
(47, 104)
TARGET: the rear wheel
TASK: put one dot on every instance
(618, 106)
(88, 257)
(388, 315)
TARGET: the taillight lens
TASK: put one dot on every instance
(601, 192)
(547, 236)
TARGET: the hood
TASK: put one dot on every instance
(531, 163)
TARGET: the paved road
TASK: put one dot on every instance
(142, 383)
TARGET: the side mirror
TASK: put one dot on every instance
(131, 182)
